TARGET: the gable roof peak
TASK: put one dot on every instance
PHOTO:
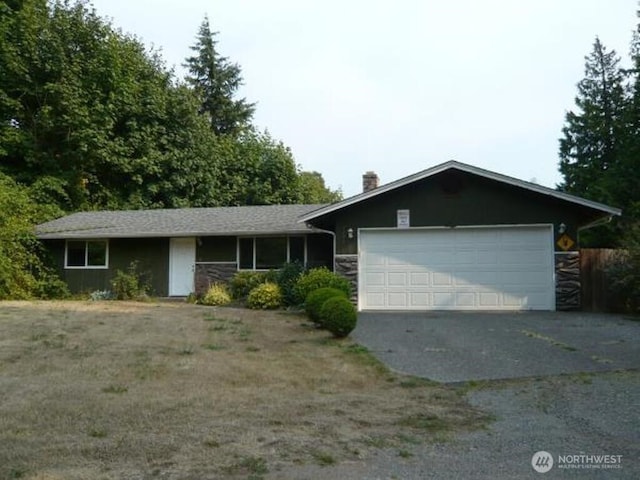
(464, 167)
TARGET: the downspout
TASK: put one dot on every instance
(595, 223)
(333, 234)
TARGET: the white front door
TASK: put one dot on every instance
(182, 261)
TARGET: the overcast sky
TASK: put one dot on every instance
(399, 86)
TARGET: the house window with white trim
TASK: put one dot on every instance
(86, 254)
(266, 253)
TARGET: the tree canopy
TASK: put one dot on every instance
(600, 143)
(91, 119)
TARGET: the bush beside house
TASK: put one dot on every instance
(266, 296)
(318, 278)
(326, 295)
(316, 299)
(217, 295)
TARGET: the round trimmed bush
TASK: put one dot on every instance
(318, 278)
(339, 316)
(315, 300)
(217, 295)
(265, 296)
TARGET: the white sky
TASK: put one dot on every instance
(399, 86)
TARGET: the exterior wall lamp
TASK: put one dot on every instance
(350, 233)
(562, 228)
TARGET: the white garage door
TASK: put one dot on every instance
(497, 268)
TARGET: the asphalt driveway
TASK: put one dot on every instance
(454, 347)
(592, 412)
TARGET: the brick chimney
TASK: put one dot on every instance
(370, 181)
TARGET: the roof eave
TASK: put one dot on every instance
(241, 233)
(452, 164)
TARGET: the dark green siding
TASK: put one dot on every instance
(454, 199)
(153, 264)
(216, 249)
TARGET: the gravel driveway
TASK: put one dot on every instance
(564, 383)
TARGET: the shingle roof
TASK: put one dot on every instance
(262, 219)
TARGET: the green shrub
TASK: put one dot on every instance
(339, 316)
(128, 285)
(243, 282)
(623, 274)
(318, 278)
(288, 276)
(315, 300)
(265, 296)
(99, 295)
(218, 294)
(51, 287)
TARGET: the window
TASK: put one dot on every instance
(266, 253)
(87, 254)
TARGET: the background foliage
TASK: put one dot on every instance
(94, 120)
(600, 144)
(90, 119)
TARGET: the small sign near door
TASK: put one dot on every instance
(404, 219)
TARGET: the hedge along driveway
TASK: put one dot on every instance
(457, 347)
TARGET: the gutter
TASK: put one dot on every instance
(333, 234)
(597, 223)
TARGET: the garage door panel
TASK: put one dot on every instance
(465, 268)
(375, 279)
(443, 299)
(477, 277)
(397, 299)
(419, 279)
(489, 300)
(533, 279)
(397, 279)
(440, 279)
(375, 299)
(465, 299)
(419, 299)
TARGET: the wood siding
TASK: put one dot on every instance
(152, 255)
(454, 199)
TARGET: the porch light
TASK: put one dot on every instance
(562, 228)
(350, 233)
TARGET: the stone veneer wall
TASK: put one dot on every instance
(347, 266)
(208, 273)
(568, 281)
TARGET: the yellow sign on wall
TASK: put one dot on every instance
(565, 242)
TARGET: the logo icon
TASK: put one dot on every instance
(542, 461)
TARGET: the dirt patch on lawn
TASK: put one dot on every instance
(142, 390)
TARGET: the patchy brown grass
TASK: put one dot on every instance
(111, 390)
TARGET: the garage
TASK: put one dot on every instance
(463, 268)
(458, 237)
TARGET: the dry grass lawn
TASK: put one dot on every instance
(113, 390)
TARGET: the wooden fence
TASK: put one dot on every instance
(595, 292)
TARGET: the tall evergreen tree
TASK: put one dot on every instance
(628, 170)
(592, 142)
(216, 80)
